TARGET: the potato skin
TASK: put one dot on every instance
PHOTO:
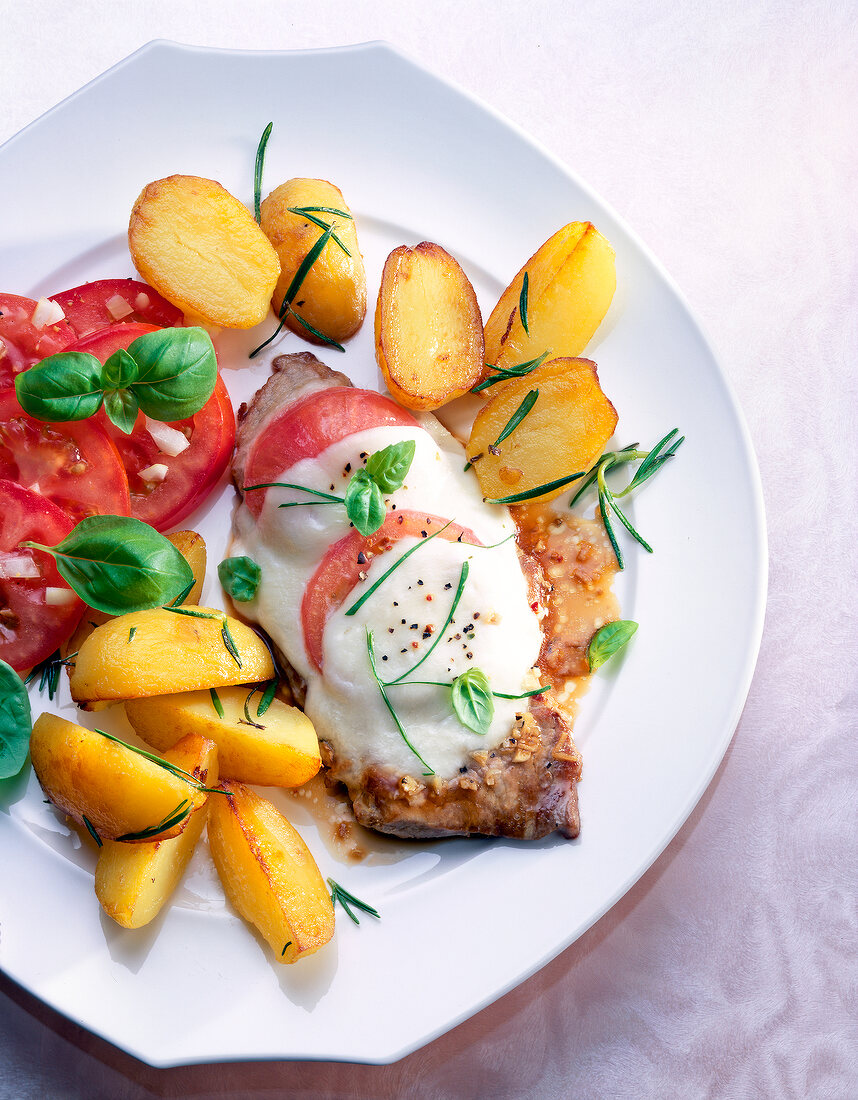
(168, 652)
(134, 881)
(428, 327)
(117, 790)
(199, 246)
(283, 753)
(571, 282)
(564, 433)
(268, 873)
(332, 297)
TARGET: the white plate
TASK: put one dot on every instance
(462, 921)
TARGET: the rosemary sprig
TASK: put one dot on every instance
(267, 698)
(522, 303)
(229, 642)
(283, 952)
(346, 899)
(449, 683)
(183, 595)
(651, 462)
(216, 703)
(309, 212)
(182, 811)
(159, 760)
(49, 671)
(463, 577)
(327, 340)
(504, 373)
(257, 173)
(358, 604)
(371, 653)
(530, 494)
(328, 498)
(90, 828)
(131, 634)
(520, 413)
(247, 717)
(193, 614)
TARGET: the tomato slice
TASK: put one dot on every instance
(74, 465)
(31, 628)
(21, 343)
(99, 305)
(342, 566)
(192, 474)
(310, 425)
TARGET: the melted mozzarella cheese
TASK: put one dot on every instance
(494, 628)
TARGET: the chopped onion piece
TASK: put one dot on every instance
(15, 566)
(156, 472)
(47, 313)
(59, 597)
(118, 307)
(169, 441)
(141, 301)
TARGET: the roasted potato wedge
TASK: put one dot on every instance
(161, 651)
(268, 873)
(428, 328)
(133, 881)
(332, 296)
(280, 748)
(571, 281)
(190, 545)
(119, 792)
(565, 431)
(199, 247)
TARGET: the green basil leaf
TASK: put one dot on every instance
(121, 408)
(118, 564)
(608, 641)
(120, 371)
(388, 468)
(62, 387)
(15, 722)
(472, 700)
(177, 372)
(365, 503)
(240, 578)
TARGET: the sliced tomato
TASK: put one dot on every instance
(313, 423)
(342, 566)
(105, 302)
(33, 621)
(74, 465)
(192, 474)
(21, 343)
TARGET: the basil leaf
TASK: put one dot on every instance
(472, 700)
(240, 578)
(118, 564)
(388, 468)
(120, 371)
(365, 503)
(62, 387)
(608, 641)
(177, 372)
(15, 722)
(121, 408)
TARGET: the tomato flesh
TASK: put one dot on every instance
(21, 343)
(310, 425)
(30, 628)
(192, 474)
(103, 303)
(341, 568)
(74, 465)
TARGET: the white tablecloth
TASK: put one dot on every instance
(725, 134)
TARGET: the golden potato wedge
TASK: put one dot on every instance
(332, 296)
(280, 750)
(565, 431)
(268, 873)
(190, 545)
(119, 792)
(133, 881)
(428, 328)
(571, 281)
(199, 247)
(161, 651)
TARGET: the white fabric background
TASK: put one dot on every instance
(725, 133)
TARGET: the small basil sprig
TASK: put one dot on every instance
(118, 564)
(472, 700)
(15, 722)
(239, 578)
(609, 640)
(384, 472)
(169, 374)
